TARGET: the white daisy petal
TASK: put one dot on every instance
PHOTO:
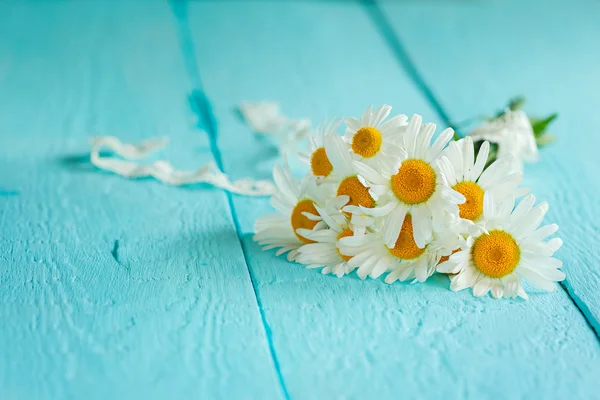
(359, 257)
(379, 268)
(467, 278)
(489, 206)
(494, 171)
(482, 287)
(420, 270)
(393, 225)
(531, 221)
(323, 235)
(337, 152)
(422, 225)
(287, 187)
(312, 216)
(482, 157)
(439, 144)
(393, 276)
(380, 114)
(412, 130)
(369, 173)
(422, 146)
(393, 123)
(375, 211)
(497, 291)
(555, 244)
(543, 232)
(447, 170)
(537, 280)
(468, 154)
(367, 266)
(523, 207)
(453, 195)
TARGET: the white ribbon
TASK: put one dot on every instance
(164, 171)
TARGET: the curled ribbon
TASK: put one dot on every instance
(163, 170)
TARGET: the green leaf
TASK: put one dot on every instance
(516, 103)
(540, 125)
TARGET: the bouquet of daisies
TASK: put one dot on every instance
(383, 198)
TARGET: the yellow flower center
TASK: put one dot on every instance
(359, 194)
(473, 207)
(446, 258)
(495, 254)
(366, 141)
(319, 163)
(414, 183)
(345, 233)
(300, 221)
(406, 248)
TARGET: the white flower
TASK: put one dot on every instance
(467, 176)
(344, 179)
(325, 251)
(417, 188)
(514, 135)
(405, 259)
(509, 247)
(296, 203)
(317, 158)
(374, 141)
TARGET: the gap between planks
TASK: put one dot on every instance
(201, 105)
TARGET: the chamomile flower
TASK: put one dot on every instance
(345, 179)
(513, 133)
(466, 175)
(408, 261)
(296, 203)
(317, 158)
(510, 246)
(417, 188)
(325, 251)
(374, 141)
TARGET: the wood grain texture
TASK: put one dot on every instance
(515, 48)
(113, 288)
(344, 338)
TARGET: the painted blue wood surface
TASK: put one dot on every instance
(115, 288)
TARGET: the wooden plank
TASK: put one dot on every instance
(345, 338)
(113, 288)
(514, 48)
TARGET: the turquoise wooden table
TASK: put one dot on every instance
(112, 288)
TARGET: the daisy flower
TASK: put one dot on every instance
(510, 246)
(325, 251)
(417, 188)
(373, 257)
(466, 175)
(296, 203)
(513, 133)
(374, 141)
(344, 178)
(320, 166)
